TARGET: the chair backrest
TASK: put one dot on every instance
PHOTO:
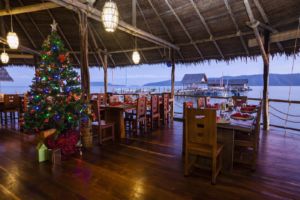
(239, 100)
(114, 99)
(256, 121)
(154, 104)
(166, 103)
(141, 107)
(1, 98)
(201, 127)
(11, 101)
(128, 98)
(95, 105)
(201, 102)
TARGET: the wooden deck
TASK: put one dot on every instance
(148, 167)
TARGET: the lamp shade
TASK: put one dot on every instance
(4, 57)
(110, 16)
(136, 57)
(91, 2)
(12, 40)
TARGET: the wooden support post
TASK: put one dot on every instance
(105, 66)
(266, 119)
(85, 77)
(87, 137)
(172, 82)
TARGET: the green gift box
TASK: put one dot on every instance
(42, 152)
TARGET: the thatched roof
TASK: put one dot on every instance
(4, 75)
(202, 29)
(194, 79)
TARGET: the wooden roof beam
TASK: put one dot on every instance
(256, 32)
(21, 47)
(278, 37)
(236, 26)
(184, 29)
(123, 26)
(266, 20)
(29, 8)
(206, 27)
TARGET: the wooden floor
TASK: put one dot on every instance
(145, 167)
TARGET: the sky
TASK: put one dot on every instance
(143, 74)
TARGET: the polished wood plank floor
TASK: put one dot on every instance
(145, 167)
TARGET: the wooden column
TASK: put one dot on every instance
(172, 82)
(266, 119)
(86, 134)
(84, 70)
(105, 66)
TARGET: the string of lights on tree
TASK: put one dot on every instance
(55, 94)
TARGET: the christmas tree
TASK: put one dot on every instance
(55, 95)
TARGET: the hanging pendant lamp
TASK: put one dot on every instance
(12, 38)
(136, 55)
(110, 16)
(4, 57)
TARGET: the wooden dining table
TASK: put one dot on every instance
(226, 135)
(115, 113)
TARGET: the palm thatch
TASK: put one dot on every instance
(203, 29)
(4, 75)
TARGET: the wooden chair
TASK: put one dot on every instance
(201, 139)
(99, 126)
(186, 105)
(137, 118)
(165, 111)
(246, 143)
(154, 114)
(114, 99)
(201, 102)
(12, 105)
(238, 101)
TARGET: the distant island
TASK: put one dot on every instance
(102, 84)
(253, 80)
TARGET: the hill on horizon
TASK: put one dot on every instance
(253, 80)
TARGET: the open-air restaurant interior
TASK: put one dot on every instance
(61, 140)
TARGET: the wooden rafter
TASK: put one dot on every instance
(184, 29)
(266, 20)
(21, 47)
(256, 32)
(225, 37)
(26, 32)
(278, 37)
(206, 27)
(147, 24)
(102, 43)
(89, 32)
(32, 21)
(123, 26)
(236, 26)
(164, 26)
(29, 9)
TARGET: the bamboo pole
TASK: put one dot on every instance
(172, 82)
(29, 8)
(266, 118)
(85, 78)
(105, 66)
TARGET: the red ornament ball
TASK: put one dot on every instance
(62, 58)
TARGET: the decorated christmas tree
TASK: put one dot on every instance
(55, 95)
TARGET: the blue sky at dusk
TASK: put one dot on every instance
(142, 74)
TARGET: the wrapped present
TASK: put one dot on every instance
(55, 155)
(47, 133)
(42, 152)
